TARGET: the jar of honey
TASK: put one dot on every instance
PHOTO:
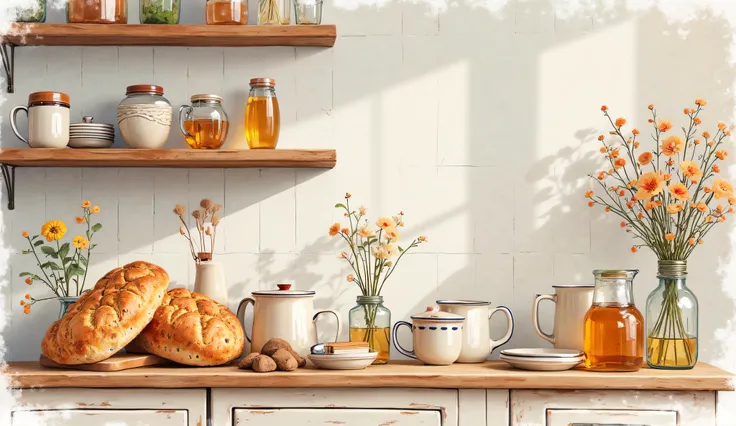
(614, 328)
(227, 12)
(262, 117)
(97, 12)
(204, 123)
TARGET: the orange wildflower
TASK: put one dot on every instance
(686, 111)
(731, 201)
(348, 195)
(25, 234)
(696, 141)
(623, 224)
(721, 126)
(716, 168)
(630, 204)
(649, 185)
(700, 241)
(634, 249)
(601, 137)
(640, 215)
(591, 204)
(691, 170)
(722, 154)
(22, 302)
(650, 120)
(645, 158)
(632, 184)
(669, 237)
(86, 204)
(636, 144)
(700, 102)
(635, 131)
(27, 309)
(603, 149)
(664, 125)
(697, 120)
(675, 208)
(650, 106)
(615, 153)
(672, 145)
(29, 280)
(691, 241)
(702, 207)
(650, 205)
(621, 193)
(334, 229)
(28, 297)
(706, 135)
(721, 189)
(79, 219)
(620, 121)
(345, 231)
(604, 108)
(620, 162)
(608, 209)
(679, 191)
(95, 209)
(350, 278)
(588, 194)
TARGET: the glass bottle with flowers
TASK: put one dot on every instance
(373, 255)
(210, 278)
(62, 270)
(668, 198)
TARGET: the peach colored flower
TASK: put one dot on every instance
(588, 194)
(669, 237)
(716, 168)
(722, 154)
(385, 222)
(604, 108)
(348, 195)
(95, 209)
(691, 170)
(334, 229)
(620, 121)
(623, 224)
(363, 210)
(672, 145)
(86, 204)
(620, 162)
(25, 234)
(702, 207)
(679, 191)
(691, 241)
(366, 232)
(350, 278)
(649, 185)
(79, 219)
(422, 239)
(686, 111)
(635, 131)
(29, 280)
(603, 150)
(700, 102)
(636, 144)
(634, 249)
(650, 106)
(600, 138)
(706, 135)
(675, 208)
(697, 120)
(391, 234)
(645, 158)
(721, 189)
(591, 204)
(345, 231)
(664, 125)
(721, 126)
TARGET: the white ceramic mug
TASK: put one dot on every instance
(48, 120)
(572, 302)
(437, 337)
(477, 341)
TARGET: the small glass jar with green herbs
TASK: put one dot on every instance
(160, 11)
(35, 13)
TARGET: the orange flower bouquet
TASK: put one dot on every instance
(63, 269)
(373, 254)
(668, 199)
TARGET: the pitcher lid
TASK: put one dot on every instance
(434, 314)
(284, 290)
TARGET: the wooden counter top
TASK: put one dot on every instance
(397, 374)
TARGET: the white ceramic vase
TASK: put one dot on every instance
(210, 281)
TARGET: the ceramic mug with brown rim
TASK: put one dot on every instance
(48, 120)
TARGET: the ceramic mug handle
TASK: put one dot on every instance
(242, 306)
(397, 345)
(337, 316)
(182, 109)
(535, 316)
(510, 329)
(13, 114)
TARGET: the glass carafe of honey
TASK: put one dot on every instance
(204, 123)
(614, 327)
(262, 117)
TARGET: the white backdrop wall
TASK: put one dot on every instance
(477, 119)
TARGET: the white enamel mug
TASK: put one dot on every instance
(572, 302)
(477, 341)
(437, 337)
(48, 120)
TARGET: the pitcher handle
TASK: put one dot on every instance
(535, 316)
(397, 345)
(188, 109)
(509, 330)
(242, 306)
(13, 113)
(337, 316)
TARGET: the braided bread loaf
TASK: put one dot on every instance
(192, 329)
(108, 317)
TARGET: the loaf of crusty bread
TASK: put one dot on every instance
(108, 317)
(192, 329)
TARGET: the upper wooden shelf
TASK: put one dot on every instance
(170, 35)
(176, 158)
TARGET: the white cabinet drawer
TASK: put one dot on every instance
(337, 416)
(611, 418)
(100, 418)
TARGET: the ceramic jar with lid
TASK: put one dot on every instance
(262, 116)
(48, 120)
(204, 123)
(437, 336)
(286, 314)
(144, 117)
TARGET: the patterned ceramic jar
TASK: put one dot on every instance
(437, 337)
(144, 117)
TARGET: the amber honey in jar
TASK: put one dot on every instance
(614, 327)
(227, 12)
(97, 12)
(262, 117)
(204, 123)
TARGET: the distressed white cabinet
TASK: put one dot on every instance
(107, 407)
(347, 407)
(619, 407)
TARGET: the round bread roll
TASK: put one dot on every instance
(192, 329)
(108, 317)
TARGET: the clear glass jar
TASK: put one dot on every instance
(274, 12)
(144, 117)
(672, 320)
(159, 11)
(35, 13)
(97, 11)
(370, 322)
(204, 123)
(614, 327)
(308, 12)
(262, 116)
(227, 12)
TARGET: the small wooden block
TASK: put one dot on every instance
(347, 345)
(117, 362)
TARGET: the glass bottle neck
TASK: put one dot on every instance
(676, 281)
(265, 91)
(370, 300)
(613, 292)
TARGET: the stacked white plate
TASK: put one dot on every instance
(541, 359)
(348, 361)
(91, 135)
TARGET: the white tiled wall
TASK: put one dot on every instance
(477, 121)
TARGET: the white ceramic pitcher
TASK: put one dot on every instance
(286, 314)
(477, 342)
(571, 304)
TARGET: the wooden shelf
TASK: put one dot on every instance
(170, 35)
(172, 158)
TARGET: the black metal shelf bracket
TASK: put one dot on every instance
(9, 178)
(8, 64)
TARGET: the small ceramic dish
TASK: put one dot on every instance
(343, 361)
(542, 353)
(542, 364)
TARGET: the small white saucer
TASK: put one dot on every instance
(542, 353)
(343, 361)
(542, 364)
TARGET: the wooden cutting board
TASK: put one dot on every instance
(117, 362)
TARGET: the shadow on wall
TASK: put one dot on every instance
(469, 120)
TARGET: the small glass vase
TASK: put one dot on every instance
(672, 320)
(65, 303)
(370, 322)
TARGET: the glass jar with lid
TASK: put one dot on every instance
(97, 11)
(614, 327)
(204, 123)
(227, 12)
(144, 117)
(159, 11)
(262, 116)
